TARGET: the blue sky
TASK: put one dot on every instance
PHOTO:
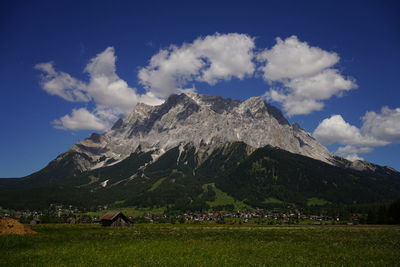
(356, 40)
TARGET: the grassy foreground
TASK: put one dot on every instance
(202, 245)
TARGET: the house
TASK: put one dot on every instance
(115, 220)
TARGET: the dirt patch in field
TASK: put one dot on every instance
(13, 227)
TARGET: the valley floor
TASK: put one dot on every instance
(203, 245)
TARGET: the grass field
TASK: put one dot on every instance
(202, 245)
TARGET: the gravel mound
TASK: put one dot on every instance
(13, 227)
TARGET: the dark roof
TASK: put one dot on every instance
(110, 216)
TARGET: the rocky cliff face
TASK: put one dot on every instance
(204, 121)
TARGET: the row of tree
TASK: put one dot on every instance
(385, 214)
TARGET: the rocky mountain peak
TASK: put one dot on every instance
(142, 107)
(362, 165)
(204, 121)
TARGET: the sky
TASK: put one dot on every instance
(70, 68)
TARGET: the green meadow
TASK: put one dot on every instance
(203, 245)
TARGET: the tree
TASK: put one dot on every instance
(371, 217)
(394, 212)
(382, 215)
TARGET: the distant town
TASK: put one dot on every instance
(73, 215)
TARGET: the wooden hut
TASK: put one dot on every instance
(116, 220)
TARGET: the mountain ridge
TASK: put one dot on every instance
(180, 155)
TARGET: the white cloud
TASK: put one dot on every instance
(105, 87)
(230, 55)
(209, 59)
(150, 99)
(352, 157)
(385, 126)
(290, 59)
(103, 64)
(62, 84)
(351, 152)
(336, 130)
(111, 95)
(80, 119)
(320, 86)
(301, 76)
(293, 103)
(378, 129)
(169, 70)
(107, 114)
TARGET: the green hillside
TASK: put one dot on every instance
(233, 176)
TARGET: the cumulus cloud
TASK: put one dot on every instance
(301, 76)
(150, 99)
(385, 125)
(229, 55)
(351, 152)
(210, 59)
(106, 87)
(336, 130)
(80, 119)
(112, 95)
(290, 59)
(378, 129)
(62, 84)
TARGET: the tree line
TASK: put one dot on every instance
(384, 214)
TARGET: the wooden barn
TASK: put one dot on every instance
(115, 220)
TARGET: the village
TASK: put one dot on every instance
(73, 215)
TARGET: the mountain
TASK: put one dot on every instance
(202, 120)
(200, 152)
